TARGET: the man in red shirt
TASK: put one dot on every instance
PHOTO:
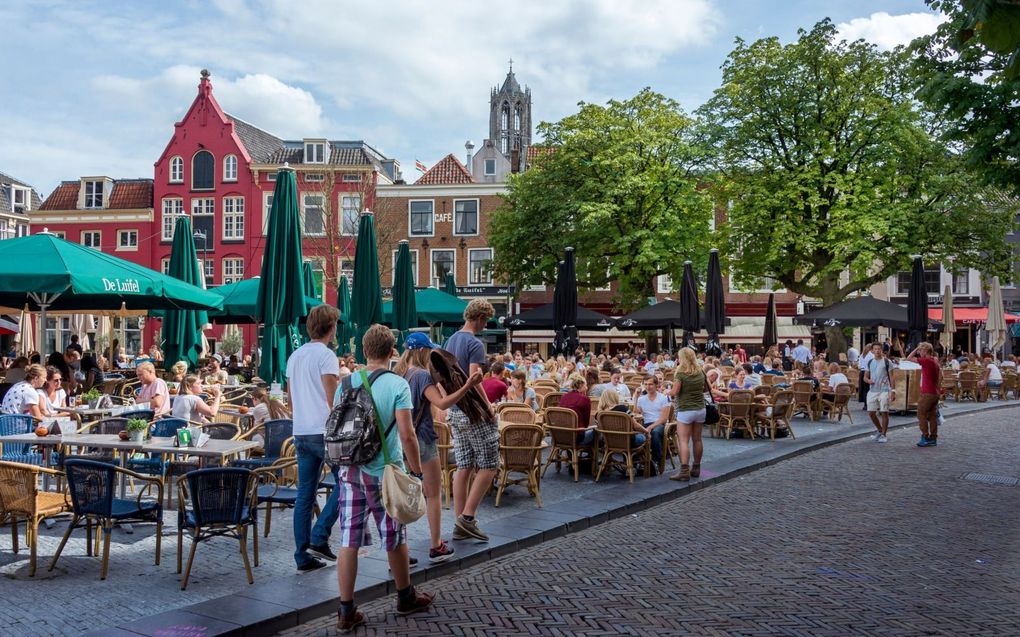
(927, 404)
(740, 353)
(577, 401)
(494, 386)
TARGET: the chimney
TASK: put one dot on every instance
(515, 160)
(469, 146)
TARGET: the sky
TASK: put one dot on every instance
(94, 88)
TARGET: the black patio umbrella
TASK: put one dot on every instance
(917, 304)
(863, 311)
(770, 336)
(664, 314)
(690, 320)
(715, 305)
(541, 318)
(565, 306)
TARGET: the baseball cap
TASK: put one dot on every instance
(218, 358)
(419, 340)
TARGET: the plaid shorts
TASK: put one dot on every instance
(474, 444)
(361, 494)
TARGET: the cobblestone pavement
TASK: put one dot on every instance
(856, 539)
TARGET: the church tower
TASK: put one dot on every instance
(510, 120)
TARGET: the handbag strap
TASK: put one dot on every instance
(708, 387)
(366, 382)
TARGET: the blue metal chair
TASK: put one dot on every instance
(275, 433)
(158, 464)
(276, 485)
(11, 424)
(143, 414)
(91, 485)
(222, 504)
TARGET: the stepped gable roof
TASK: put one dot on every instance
(447, 171)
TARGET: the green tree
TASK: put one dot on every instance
(969, 73)
(834, 176)
(621, 185)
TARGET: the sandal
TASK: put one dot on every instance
(683, 475)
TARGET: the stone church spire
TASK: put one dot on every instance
(510, 119)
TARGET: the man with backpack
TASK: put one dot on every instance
(374, 400)
(312, 377)
(878, 376)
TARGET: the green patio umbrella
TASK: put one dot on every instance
(450, 327)
(404, 314)
(432, 306)
(366, 299)
(49, 274)
(182, 329)
(309, 278)
(240, 303)
(281, 299)
(344, 334)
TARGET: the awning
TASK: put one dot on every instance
(971, 315)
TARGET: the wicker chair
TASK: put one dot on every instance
(839, 404)
(1010, 385)
(541, 391)
(670, 442)
(447, 465)
(737, 413)
(782, 411)
(562, 426)
(91, 485)
(552, 399)
(11, 425)
(156, 464)
(20, 497)
(804, 400)
(617, 432)
(277, 434)
(763, 390)
(276, 486)
(950, 385)
(968, 382)
(216, 431)
(222, 504)
(520, 452)
(515, 414)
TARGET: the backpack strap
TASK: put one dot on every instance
(366, 382)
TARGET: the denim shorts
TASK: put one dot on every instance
(427, 450)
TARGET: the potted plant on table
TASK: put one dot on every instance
(136, 428)
(91, 397)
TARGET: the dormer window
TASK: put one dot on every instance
(21, 199)
(94, 193)
(315, 151)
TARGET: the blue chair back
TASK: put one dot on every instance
(13, 424)
(91, 486)
(276, 432)
(219, 495)
(167, 427)
(144, 414)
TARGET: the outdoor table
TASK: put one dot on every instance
(88, 414)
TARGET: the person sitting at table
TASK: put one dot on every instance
(740, 381)
(190, 406)
(610, 401)
(266, 408)
(752, 376)
(653, 408)
(215, 375)
(519, 392)
(92, 375)
(16, 372)
(179, 371)
(23, 397)
(836, 377)
(154, 390)
(494, 386)
(577, 401)
(52, 396)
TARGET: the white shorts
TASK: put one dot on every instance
(691, 417)
(878, 401)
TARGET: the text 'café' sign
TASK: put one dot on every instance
(121, 285)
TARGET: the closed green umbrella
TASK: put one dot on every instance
(309, 278)
(344, 333)
(451, 327)
(281, 299)
(404, 311)
(182, 329)
(366, 299)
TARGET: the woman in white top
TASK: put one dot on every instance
(836, 377)
(52, 396)
(266, 408)
(23, 397)
(190, 406)
(519, 392)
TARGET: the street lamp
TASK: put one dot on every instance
(200, 234)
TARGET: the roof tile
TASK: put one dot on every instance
(447, 171)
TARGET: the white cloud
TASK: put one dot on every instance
(889, 31)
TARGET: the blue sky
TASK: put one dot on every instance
(94, 88)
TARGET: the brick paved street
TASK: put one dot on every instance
(855, 539)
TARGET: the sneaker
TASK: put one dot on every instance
(347, 623)
(924, 442)
(460, 535)
(933, 442)
(881, 438)
(323, 551)
(313, 564)
(416, 603)
(412, 561)
(470, 529)
(441, 554)
(875, 436)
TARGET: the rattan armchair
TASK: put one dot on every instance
(447, 464)
(839, 404)
(779, 416)
(670, 441)
(618, 450)
(516, 414)
(562, 426)
(804, 399)
(968, 381)
(20, 497)
(738, 412)
(520, 452)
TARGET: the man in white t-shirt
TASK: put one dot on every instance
(313, 374)
(878, 377)
(616, 384)
(653, 407)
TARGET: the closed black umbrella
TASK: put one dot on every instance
(565, 306)
(689, 314)
(715, 305)
(917, 304)
(770, 336)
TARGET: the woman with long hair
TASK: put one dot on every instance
(52, 395)
(610, 401)
(688, 393)
(519, 392)
(267, 408)
(23, 397)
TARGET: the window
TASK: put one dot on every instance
(176, 170)
(505, 145)
(209, 269)
(479, 266)
(414, 267)
(91, 239)
(230, 168)
(127, 239)
(233, 218)
(932, 278)
(58, 234)
(490, 167)
(443, 262)
(22, 229)
(5, 229)
(233, 270)
(203, 171)
(270, 176)
(315, 152)
(352, 178)
(421, 218)
(21, 199)
(203, 222)
(465, 216)
(173, 208)
(961, 283)
(317, 278)
(664, 284)
(93, 194)
(347, 270)
(314, 177)
(203, 206)
(505, 118)
(267, 206)
(517, 119)
(314, 224)
(350, 206)
(164, 265)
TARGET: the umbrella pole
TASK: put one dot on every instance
(40, 339)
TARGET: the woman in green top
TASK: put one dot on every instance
(688, 393)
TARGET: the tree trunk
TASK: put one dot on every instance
(836, 343)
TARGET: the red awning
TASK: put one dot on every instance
(971, 315)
